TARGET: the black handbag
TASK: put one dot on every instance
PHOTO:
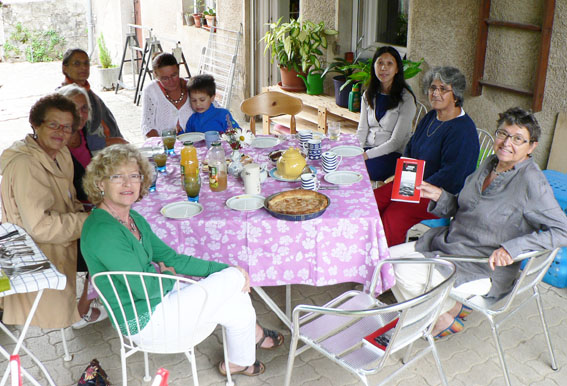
(94, 375)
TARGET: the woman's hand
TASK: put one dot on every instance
(499, 258)
(163, 268)
(365, 156)
(430, 191)
(246, 287)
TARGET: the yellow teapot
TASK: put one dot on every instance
(291, 164)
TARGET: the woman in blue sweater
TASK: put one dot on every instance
(446, 140)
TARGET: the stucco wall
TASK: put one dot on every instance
(445, 34)
(111, 18)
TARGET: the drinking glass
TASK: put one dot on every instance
(334, 131)
(168, 136)
(192, 187)
(154, 177)
(160, 158)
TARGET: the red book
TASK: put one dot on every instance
(409, 174)
(381, 337)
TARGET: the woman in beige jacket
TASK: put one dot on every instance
(38, 195)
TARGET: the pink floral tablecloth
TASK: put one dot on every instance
(342, 245)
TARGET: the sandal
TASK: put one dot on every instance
(464, 312)
(455, 327)
(277, 338)
(258, 368)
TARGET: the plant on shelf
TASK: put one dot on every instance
(210, 15)
(197, 15)
(297, 47)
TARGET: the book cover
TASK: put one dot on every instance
(381, 337)
(409, 174)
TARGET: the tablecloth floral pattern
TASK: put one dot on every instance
(342, 245)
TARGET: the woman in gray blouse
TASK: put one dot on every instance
(505, 208)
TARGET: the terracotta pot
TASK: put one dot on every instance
(211, 20)
(197, 17)
(290, 80)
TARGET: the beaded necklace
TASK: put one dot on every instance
(130, 224)
(502, 172)
(175, 101)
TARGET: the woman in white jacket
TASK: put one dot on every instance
(387, 111)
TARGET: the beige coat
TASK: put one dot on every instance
(38, 195)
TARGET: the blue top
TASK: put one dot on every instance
(380, 104)
(450, 150)
(212, 119)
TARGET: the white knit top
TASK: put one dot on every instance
(159, 113)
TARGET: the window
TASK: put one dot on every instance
(380, 22)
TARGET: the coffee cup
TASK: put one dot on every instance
(330, 161)
(210, 137)
(304, 136)
(251, 177)
(309, 181)
(314, 149)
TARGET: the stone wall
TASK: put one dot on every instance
(66, 17)
(446, 35)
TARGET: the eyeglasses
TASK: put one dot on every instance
(135, 178)
(56, 126)
(517, 139)
(442, 90)
(78, 63)
(168, 78)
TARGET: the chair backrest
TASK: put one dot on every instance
(119, 291)
(486, 141)
(271, 104)
(419, 113)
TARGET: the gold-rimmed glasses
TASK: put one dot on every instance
(442, 89)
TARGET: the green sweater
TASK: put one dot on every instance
(108, 246)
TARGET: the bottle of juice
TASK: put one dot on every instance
(189, 161)
(217, 168)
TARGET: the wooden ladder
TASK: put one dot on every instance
(541, 71)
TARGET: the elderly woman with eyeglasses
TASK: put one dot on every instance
(505, 208)
(165, 101)
(102, 129)
(117, 238)
(446, 139)
(38, 195)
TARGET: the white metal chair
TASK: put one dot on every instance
(486, 142)
(124, 281)
(419, 113)
(506, 306)
(338, 329)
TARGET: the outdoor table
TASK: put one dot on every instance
(342, 245)
(29, 282)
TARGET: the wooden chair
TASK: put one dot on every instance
(271, 104)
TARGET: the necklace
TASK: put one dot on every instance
(175, 101)
(435, 130)
(130, 224)
(502, 172)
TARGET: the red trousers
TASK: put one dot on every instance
(399, 217)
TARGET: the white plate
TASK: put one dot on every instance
(246, 202)
(274, 174)
(193, 137)
(264, 142)
(181, 210)
(347, 150)
(147, 151)
(343, 178)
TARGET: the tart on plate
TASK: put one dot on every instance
(297, 202)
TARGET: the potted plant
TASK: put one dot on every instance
(108, 72)
(210, 15)
(344, 69)
(197, 15)
(297, 46)
(189, 21)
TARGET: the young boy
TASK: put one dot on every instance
(206, 116)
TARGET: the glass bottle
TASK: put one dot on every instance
(217, 167)
(189, 162)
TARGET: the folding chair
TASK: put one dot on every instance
(271, 104)
(504, 307)
(486, 142)
(338, 329)
(124, 281)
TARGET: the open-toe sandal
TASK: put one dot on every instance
(455, 327)
(464, 312)
(277, 338)
(258, 368)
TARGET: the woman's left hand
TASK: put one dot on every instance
(163, 268)
(500, 258)
(365, 156)
(430, 191)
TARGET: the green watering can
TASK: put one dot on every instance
(314, 83)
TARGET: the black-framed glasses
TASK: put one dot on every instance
(56, 126)
(517, 139)
(122, 178)
(442, 90)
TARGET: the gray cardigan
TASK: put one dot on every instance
(517, 211)
(393, 131)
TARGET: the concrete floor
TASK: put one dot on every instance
(469, 358)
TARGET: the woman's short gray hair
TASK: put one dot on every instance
(105, 163)
(448, 75)
(71, 90)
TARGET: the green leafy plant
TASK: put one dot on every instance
(411, 69)
(103, 53)
(199, 6)
(210, 12)
(296, 45)
(38, 46)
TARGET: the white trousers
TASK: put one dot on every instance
(411, 279)
(177, 324)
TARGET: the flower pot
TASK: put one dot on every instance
(341, 97)
(108, 77)
(211, 20)
(197, 18)
(314, 83)
(290, 80)
(189, 19)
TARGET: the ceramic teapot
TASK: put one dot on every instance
(291, 164)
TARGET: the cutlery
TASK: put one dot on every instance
(8, 235)
(330, 187)
(20, 270)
